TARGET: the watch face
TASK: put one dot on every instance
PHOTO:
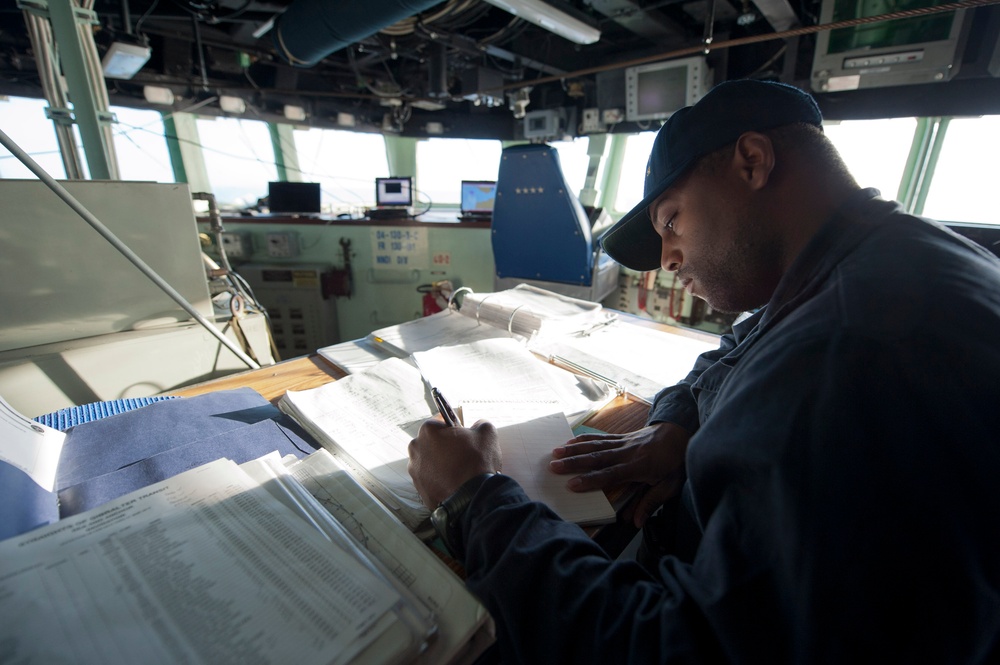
(439, 520)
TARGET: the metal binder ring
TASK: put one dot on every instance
(481, 303)
(451, 300)
(510, 321)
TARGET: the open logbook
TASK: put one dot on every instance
(367, 419)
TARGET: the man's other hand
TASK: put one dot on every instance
(653, 456)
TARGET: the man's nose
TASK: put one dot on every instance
(670, 257)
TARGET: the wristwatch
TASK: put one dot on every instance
(447, 517)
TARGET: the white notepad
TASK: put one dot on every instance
(528, 433)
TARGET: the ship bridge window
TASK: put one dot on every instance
(344, 163)
(964, 182)
(442, 165)
(23, 120)
(633, 170)
(239, 159)
(875, 151)
(574, 160)
(140, 145)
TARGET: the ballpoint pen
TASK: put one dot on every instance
(447, 412)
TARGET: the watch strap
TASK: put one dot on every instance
(447, 517)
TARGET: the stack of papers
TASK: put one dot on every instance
(203, 567)
(277, 559)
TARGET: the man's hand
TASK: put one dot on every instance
(443, 457)
(653, 456)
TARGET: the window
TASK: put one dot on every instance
(23, 120)
(442, 165)
(875, 151)
(963, 187)
(633, 171)
(141, 146)
(574, 161)
(239, 159)
(344, 163)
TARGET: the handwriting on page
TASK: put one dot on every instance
(502, 369)
(374, 414)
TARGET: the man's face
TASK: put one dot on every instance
(714, 239)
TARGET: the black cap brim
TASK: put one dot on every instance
(632, 241)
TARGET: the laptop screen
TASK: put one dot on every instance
(478, 197)
(394, 191)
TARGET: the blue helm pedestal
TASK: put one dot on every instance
(540, 231)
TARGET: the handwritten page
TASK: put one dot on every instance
(204, 567)
(504, 370)
(528, 433)
(31, 447)
(367, 420)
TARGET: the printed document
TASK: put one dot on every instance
(206, 567)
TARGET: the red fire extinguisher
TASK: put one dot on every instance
(435, 296)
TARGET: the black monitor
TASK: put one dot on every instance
(656, 90)
(394, 192)
(919, 49)
(296, 197)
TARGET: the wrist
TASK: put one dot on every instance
(447, 517)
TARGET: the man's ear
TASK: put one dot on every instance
(754, 156)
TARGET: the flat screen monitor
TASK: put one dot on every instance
(297, 197)
(656, 90)
(478, 197)
(394, 192)
(920, 49)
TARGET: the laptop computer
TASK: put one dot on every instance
(478, 197)
(393, 198)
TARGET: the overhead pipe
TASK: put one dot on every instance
(310, 30)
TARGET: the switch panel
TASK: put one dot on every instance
(613, 116)
(282, 245)
(237, 245)
(303, 314)
(592, 120)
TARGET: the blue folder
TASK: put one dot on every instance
(108, 457)
(240, 445)
(102, 446)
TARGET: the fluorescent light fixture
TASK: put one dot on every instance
(263, 29)
(232, 104)
(554, 20)
(156, 95)
(123, 61)
(296, 113)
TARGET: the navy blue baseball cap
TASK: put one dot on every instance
(716, 120)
